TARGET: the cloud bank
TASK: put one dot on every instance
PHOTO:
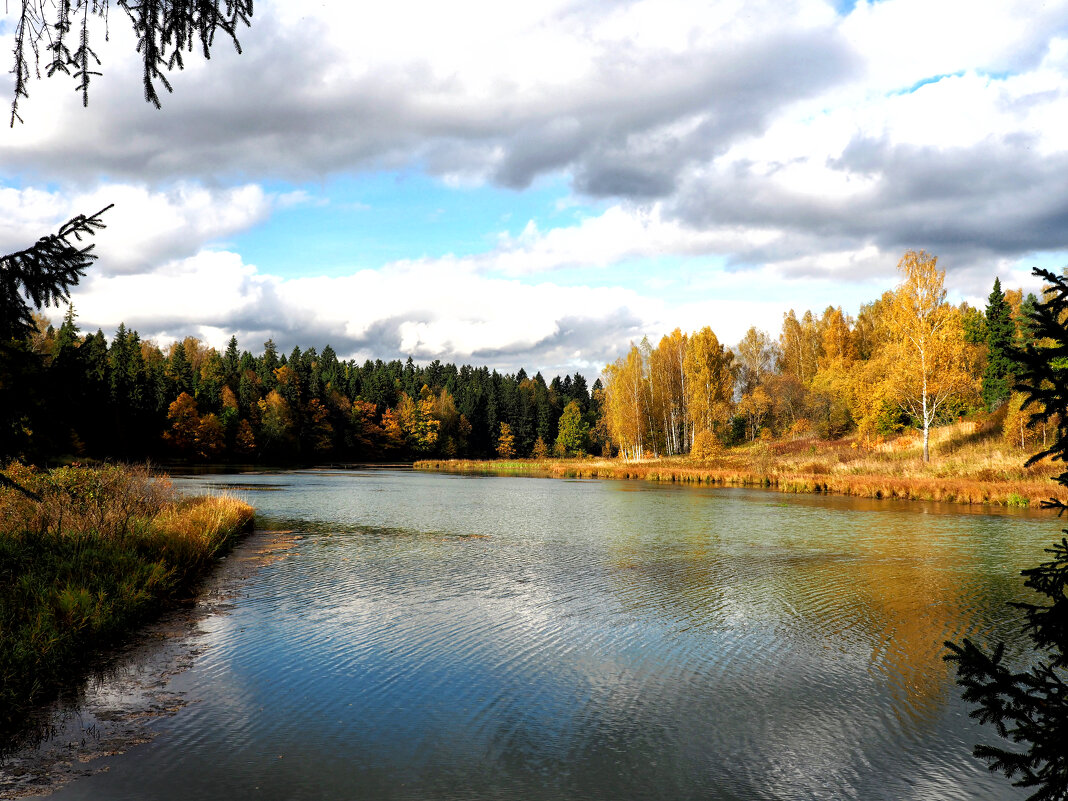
(783, 146)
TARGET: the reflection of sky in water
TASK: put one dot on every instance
(594, 640)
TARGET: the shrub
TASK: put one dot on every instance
(705, 446)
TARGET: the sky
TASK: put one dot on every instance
(538, 185)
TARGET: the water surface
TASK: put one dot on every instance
(450, 637)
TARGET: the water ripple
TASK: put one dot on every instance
(437, 637)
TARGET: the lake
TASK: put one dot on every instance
(429, 636)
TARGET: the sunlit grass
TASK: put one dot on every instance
(100, 551)
(970, 464)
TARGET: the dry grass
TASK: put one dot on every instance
(99, 552)
(969, 464)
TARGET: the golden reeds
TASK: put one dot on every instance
(970, 465)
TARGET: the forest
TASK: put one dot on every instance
(909, 359)
(83, 396)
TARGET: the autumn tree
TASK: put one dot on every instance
(1018, 429)
(667, 379)
(184, 420)
(365, 436)
(709, 381)
(755, 407)
(276, 421)
(210, 437)
(453, 428)
(871, 328)
(756, 356)
(392, 433)
(837, 346)
(927, 362)
(624, 404)
(245, 439)
(506, 442)
(800, 345)
(417, 420)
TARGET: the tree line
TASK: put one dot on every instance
(78, 394)
(908, 359)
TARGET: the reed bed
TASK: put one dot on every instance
(97, 552)
(969, 465)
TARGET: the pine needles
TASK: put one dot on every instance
(1029, 707)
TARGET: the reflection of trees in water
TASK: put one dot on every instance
(888, 596)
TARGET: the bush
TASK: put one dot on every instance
(705, 446)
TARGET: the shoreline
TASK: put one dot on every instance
(1019, 493)
(87, 557)
(117, 704)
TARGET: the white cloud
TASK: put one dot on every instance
(145, 228)
(428, 309)
(907, 41)
(777, 139)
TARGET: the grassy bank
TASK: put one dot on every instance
(969, 465)
(99, 552)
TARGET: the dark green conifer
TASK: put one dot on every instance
(1000, 338)
(268, 363)
(180, 371)
(232, 362)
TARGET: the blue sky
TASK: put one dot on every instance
(365, 220)
(443, 189)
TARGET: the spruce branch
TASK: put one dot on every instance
(45, 272)
(1029, 708)
(165, 31)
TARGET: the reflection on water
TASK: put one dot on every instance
(446, 637)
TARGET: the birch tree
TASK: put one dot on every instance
(625, 397)
(927, 356)
(667, 375)
(710, 381)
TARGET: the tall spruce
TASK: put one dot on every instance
(1000, 337)
(232, 361)
(1030, 707)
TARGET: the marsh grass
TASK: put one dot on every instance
(100, 552)
(970, 464)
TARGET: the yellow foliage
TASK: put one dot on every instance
(506, 442)
(705, 446)
(709, 381)
(541, 450)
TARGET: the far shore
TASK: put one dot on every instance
(967, 466)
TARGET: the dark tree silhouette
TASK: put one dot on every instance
(166, 30)
(1030, 707)
(44, 273)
